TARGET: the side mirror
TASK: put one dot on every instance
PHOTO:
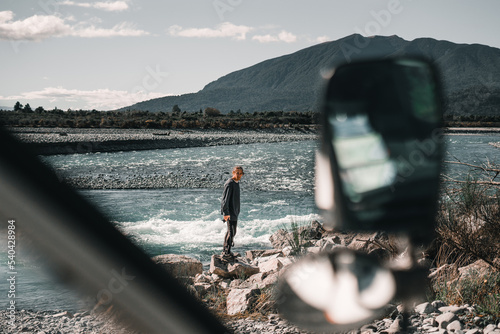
(377, 170)
(379, 163)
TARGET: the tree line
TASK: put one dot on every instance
(25, 116)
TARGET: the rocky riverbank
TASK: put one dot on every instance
(50, 141)
(435, 317)
(241, 291)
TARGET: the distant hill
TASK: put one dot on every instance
(470, 74)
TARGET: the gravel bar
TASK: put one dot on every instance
(51, 141)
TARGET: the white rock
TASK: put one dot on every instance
(287, 250)
(271, 265)
(445, 319)
(179, 265)
(63, 314)
(425, 308)
(454, 326)
(239, 300)
(453, 309)
(490, 329)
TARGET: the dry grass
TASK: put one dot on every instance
(468, 226)
(468, 229)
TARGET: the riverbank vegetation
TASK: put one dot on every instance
(468, 241)
(26, 116)
(176, 119)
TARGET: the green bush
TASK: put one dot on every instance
(481, 291)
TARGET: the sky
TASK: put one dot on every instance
(108, 54)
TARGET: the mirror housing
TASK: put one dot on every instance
(381, 149)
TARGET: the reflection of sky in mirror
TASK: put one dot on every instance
(361, 153)
(350, 125)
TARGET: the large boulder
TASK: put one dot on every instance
(231, 269)
(252, 255)
(179, 265)
(274, 264)
(477, 269)
(240, 300)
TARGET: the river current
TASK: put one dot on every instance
(277, 189)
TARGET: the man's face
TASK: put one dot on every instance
(237, 174)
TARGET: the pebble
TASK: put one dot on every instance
(53, 322)
(455, 320)
(57, 322)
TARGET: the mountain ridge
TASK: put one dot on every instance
(293, 81)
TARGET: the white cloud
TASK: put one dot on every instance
(122, 29)
(100, 99)
(265, 38)
(110, 6)
(33, 28)
(283, 36)
(39, 27)
(287, 37)
(225, 29)
(228, 29)
(6, 16)
(322, 39)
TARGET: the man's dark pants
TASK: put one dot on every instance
(231, 232)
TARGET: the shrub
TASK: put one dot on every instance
(211, 112)
(468, 229)
(482, 291)
(468, 225)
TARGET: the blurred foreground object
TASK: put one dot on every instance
(377, 169)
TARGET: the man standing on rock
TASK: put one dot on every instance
(230, 208)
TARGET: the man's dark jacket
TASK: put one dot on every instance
(230, 204)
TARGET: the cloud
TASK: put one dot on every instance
(228, 29)
(100, 99)
(33, 28)
(287, 37)
(122, 29)
(110, 6)
(225, 29)
(39, 27)
(283, 36)
(265, 38)
(322, 39)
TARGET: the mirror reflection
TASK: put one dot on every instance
(362, 154)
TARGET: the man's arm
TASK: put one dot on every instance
(226, 199)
